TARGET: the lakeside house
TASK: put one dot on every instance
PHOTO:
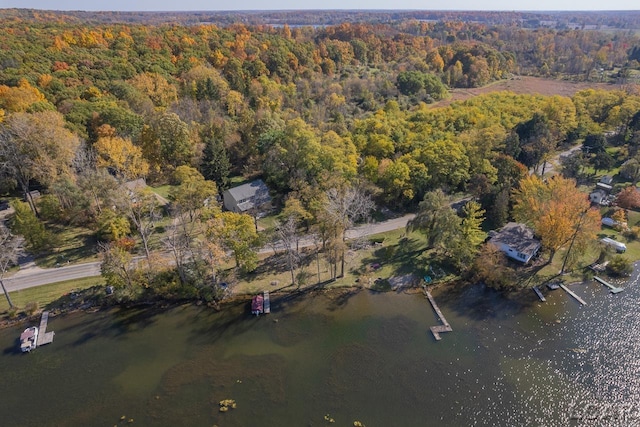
(601, 195)
(251, 196)
(516, 241)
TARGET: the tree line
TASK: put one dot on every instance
(317, 113)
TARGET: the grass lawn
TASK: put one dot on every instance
(577, 272)
(268, 222)
(44, 295)
(163, 190)
(235, 181)
(75, 244)
(396, 255)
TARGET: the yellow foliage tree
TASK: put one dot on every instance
(159, 90)
(558, 212)
(20, 98)
(121, 155)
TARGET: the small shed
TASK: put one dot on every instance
(607, 180)
(33, 195)
(136, 184)
(250, 196)
(517, 241)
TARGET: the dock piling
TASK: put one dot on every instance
(445, 327)
(570, 292)
(44, 337)
(612, 289)
(537, 291)
(266, 303)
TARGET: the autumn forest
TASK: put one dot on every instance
(321, 113)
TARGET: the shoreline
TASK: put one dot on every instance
(446, 290)
(98, 302)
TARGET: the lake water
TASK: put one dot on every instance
(361, 356)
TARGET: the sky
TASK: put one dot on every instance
(213, 5)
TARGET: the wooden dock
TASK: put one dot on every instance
(44, 337)
(445, 327)
(567, 290)
(612, 289)
(537, 291)
(266, 304)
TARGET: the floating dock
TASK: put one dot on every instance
(44, 337)
(570, 292)
(537, 291)
(266, 304)
(445, 327)
(612, 289)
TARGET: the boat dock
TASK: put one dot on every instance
(445, 327)
(44, 337)
(266, 304)
(612, 289)
(537, 291)
(567, 290)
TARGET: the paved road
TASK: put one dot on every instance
(554, 164)
(33, 276)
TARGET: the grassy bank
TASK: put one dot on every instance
(43, 295)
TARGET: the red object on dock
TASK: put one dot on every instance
(257, 305)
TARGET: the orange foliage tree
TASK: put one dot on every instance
(629, 198)
(557, 211)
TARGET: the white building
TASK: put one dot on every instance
(516, 241)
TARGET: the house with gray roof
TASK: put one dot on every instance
(252, 196)
(516, 241)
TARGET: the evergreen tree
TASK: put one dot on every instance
(215, 163)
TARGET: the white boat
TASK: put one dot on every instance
(29, 339)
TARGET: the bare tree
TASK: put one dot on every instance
(10, 250)
(317, 244)
(343, 209)
(287, 234)
(143, 210)
(177, 242)
(96, 183)
(180, 240)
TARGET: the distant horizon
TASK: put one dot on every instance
(532, 6)
(328, 10)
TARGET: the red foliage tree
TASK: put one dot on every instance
(629, 198)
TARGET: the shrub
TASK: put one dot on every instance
(620, 266)
(31, 228)
(112, 227)
(125, 243)
(632, 233)
(50, 208)
(31, 308)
